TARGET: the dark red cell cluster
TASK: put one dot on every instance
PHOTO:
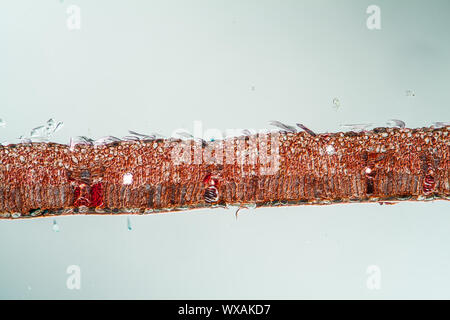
(88, 196)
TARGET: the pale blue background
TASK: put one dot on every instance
(160, 65)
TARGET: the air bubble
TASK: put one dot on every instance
(129, 224)
(55, 226)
